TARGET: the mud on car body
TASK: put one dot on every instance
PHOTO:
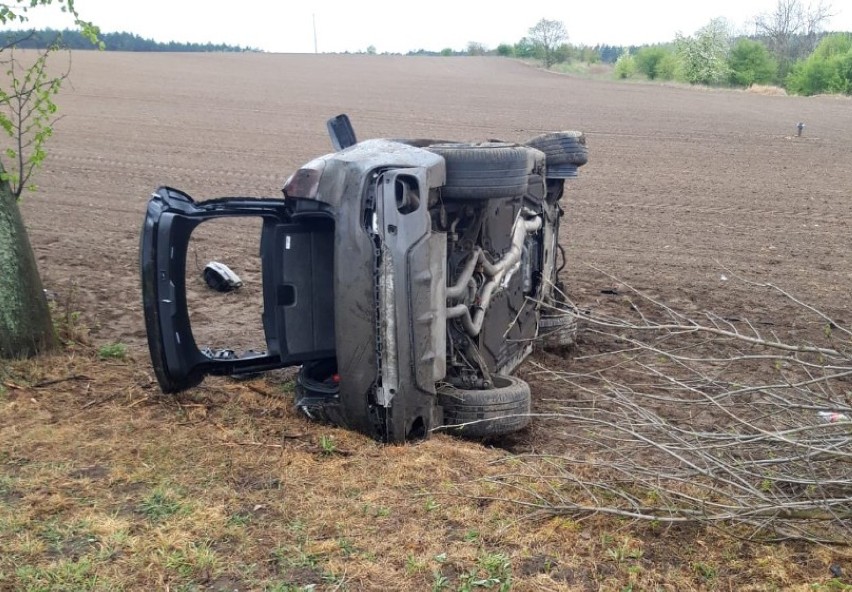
(407, 279)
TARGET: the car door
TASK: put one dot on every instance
(296, 251)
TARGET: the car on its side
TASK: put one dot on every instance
(407, 279)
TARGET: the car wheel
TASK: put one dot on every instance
(485, 171)
(557, 330)
(317, 387)
(487, 412)
(565, 152)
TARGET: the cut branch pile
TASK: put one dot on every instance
(699, 418)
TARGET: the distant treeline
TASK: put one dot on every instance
(40, 39)
(607, 54)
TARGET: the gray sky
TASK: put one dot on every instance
(398, 26)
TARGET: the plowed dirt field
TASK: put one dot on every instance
(685, 188)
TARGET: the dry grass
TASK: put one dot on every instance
(105, 484)
(836, 96)
(767, 90)
(584, 70)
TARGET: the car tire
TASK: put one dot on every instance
(565, 152)
(490, 170)
(557, 330)
(483, 413)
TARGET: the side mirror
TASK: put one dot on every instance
(341, 131)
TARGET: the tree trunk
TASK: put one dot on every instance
(25, 324)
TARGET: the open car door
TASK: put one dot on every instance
(297, 259)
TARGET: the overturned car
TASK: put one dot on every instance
(407, 279)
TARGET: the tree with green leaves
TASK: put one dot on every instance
(625, 66)
(505, 50)
(751, 63)
(27, 110)
(589, 55)
(649, 60)
(703, 56)
(525, 48)
(547, 36)
(117, 41)
(827, 70)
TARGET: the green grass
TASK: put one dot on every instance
(295, 557)
(63, 576)
(493, 571)
(327, 445)
(6, 484)
(112, 351)
(584, 70)
(279, 587)
(161, 505)
(703, 570)
(239, 519)
(833, 585)
(191, 560)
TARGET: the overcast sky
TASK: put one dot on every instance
(399, 26)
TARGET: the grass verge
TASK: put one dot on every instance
(106, 484)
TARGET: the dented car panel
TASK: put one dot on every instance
(383, 336)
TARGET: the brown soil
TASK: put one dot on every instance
(680, 183)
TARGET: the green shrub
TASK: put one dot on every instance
(625, 66)
(589, 55)
(563, 53)
(505, 50)
(112, 351)
(649, 58)
(827, 70)
(751, 63)
(669, 68)
(524, 48)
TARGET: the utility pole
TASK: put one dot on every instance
(314, 15)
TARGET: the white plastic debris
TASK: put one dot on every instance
(832, 416)
(220, 277)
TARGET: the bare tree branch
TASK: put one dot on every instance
(692, 417)
(792, 29)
